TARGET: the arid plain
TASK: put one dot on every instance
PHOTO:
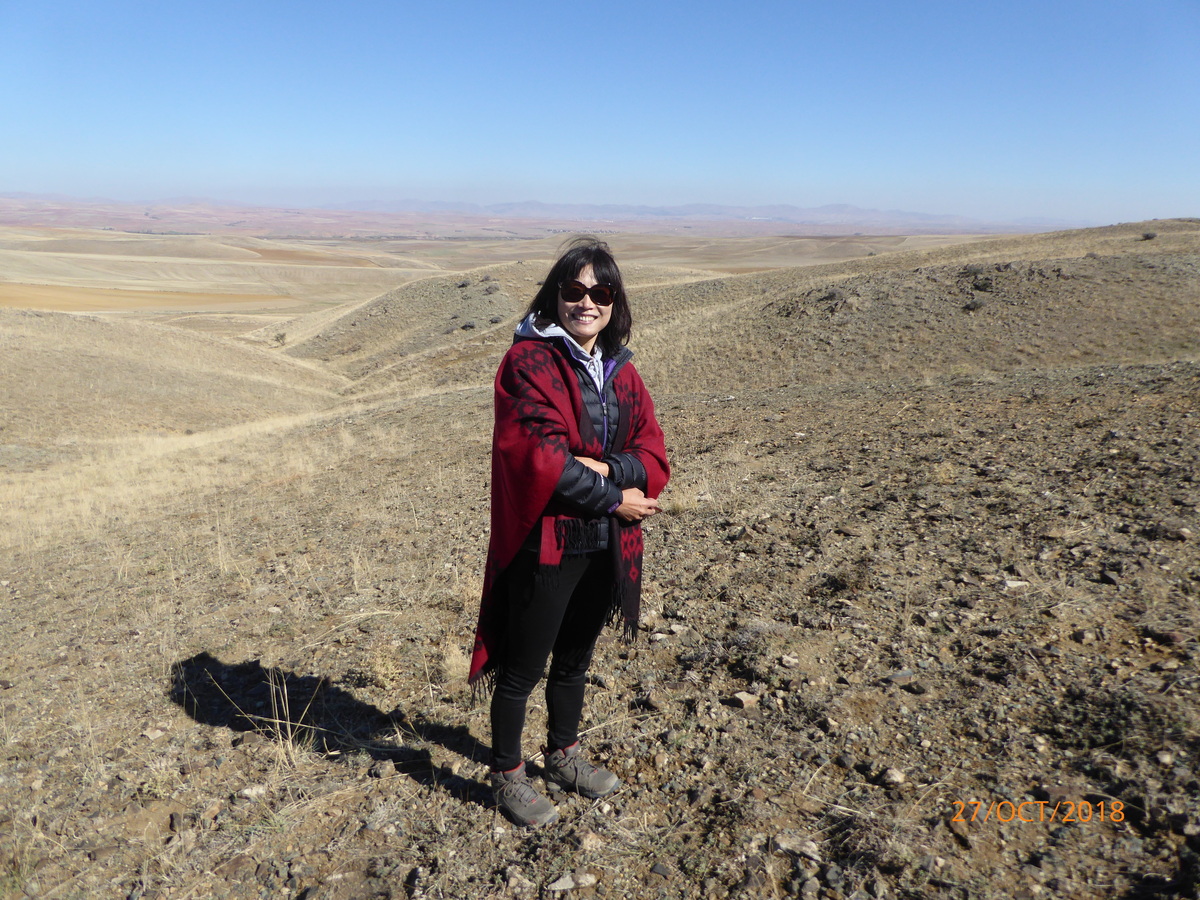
(922, 610)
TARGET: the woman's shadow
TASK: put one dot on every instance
(312, 712)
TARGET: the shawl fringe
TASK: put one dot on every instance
(576, 535)
(483, 685)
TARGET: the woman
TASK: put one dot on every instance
(577, 462)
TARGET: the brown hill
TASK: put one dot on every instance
(922, 611)
(989, 306)
(78, 379)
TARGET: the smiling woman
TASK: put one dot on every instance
(578, 460)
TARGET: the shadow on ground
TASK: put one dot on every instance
(311, 712)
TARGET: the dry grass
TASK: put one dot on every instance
(131, 478)
(343, 541)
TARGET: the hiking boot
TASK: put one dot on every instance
(520, 801)
(567, 769)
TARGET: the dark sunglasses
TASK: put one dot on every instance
(573, 292)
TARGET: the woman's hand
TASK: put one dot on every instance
(635, 505)
(595, 465)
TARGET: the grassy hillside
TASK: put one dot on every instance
(76, 379)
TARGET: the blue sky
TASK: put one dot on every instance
(1081, 111)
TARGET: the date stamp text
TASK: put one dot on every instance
(1066, 812)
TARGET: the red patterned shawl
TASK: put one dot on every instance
(541, 420)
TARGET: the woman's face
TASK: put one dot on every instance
(584, 320)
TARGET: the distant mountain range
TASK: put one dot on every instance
(426, 218)
(839, 215)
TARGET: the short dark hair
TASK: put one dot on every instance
(580, 253)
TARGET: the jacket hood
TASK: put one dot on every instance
(535, 326)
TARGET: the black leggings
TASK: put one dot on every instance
(560, 610)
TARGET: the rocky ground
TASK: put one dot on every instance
(910, 631)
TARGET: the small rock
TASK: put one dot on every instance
(892, 777)
(253, 792)
(903, 677)
(591, 842)
(517, 882)
(651, 701)
(1169, 531)
(792, 843)
(566, 883)
(383, 769)
(958, 828)
(1083, 636)
(758, 876)
(833, 876)
(790, 662)
(700, 796)
(659, 869)
(1165, 758)
(745, 700)
(1165, 637)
